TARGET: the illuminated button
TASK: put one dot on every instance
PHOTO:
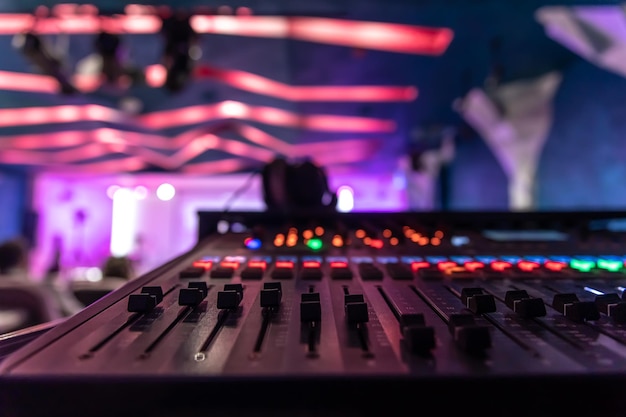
(527, 266)
(582, 265)
(155, 291)
(416, 266)
(202, 264)
(311, 270)
(340, 270)
(442, 266)
(141, 303)
(500, 266)
(555, 266)
(473, 266)
(192, 272)
(611, 265)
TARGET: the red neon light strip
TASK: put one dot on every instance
(227, 264)
(203, 264)
(338, 264)
(284, 264)
(311, 264)
(369, 35)
(416, 266)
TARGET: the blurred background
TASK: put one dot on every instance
(119, 122)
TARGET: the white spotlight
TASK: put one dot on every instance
(345, 198)
(165, 192)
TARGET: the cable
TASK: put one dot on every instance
(244, 187)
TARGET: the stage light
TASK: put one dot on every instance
(123, 222)
(181, 45)
(140, 192)
(345, 198)
(165, 192)
(35, 50)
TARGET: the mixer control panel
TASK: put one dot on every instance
(329, 300)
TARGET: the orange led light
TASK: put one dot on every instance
(446, 265)
(500, 265)
(307, 234)
(257, 264)
(338, 264)
(284, 264)
(527, 266)
(394, 241)
(202, 264)
(227, 264)
(415, 266)
(473, 265)
(387, 233)
(319, 231)
(311, 264)
(435, 241)
(555, 266)
(376, 243)
(360, 233)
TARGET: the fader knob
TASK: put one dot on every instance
(155, 291)
(468, 335)
(141, 303)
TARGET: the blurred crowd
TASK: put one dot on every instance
(26, 300)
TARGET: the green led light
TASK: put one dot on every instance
(610, 264)
(582, 265)
(314, 244)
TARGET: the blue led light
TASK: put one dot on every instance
(253, 244)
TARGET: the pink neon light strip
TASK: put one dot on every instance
(267, 115)
(238, 79)
(369, 35)
(256, 84)
(59, 114)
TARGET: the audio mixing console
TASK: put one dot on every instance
(508, 314)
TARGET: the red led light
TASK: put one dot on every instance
(527, 266)
(284, 264)
(415, 266)
(446, 265)
(311, 264)
(473, 265)
(500, 265)
(338, 264)
(257, 264)
(227, 264)
(555, 266)
(376, 243)
(203, 264)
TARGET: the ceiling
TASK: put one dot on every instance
(348, 97)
